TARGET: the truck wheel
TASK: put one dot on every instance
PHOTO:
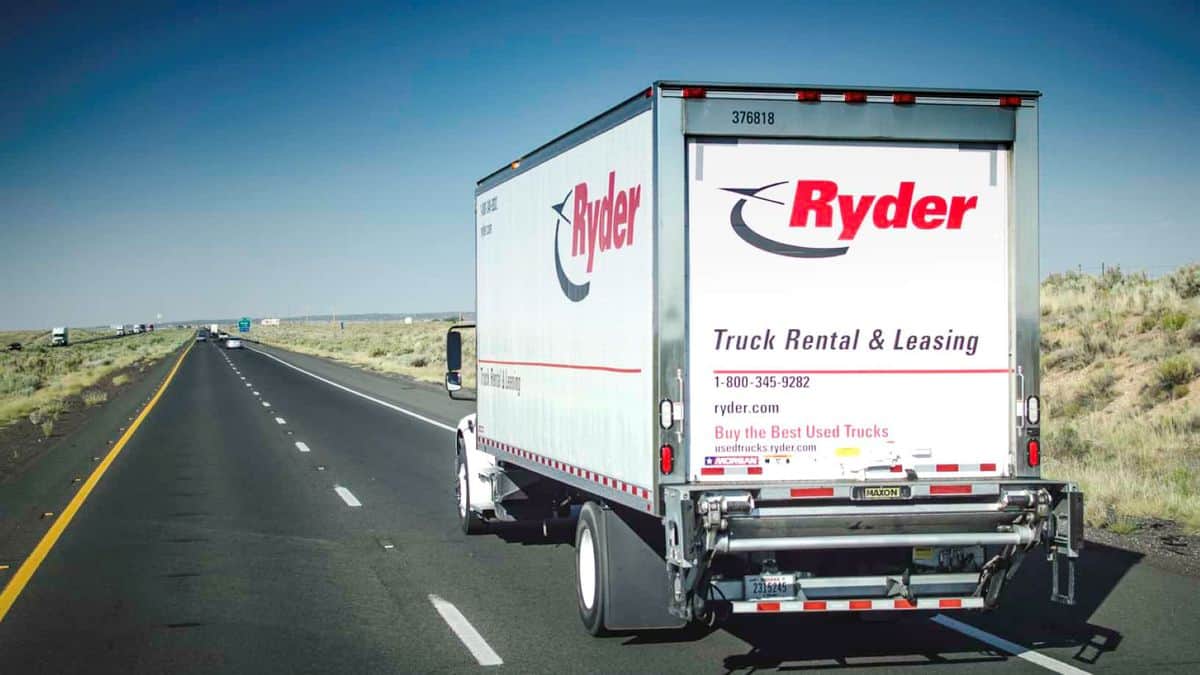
(468, 520)
(591, 577)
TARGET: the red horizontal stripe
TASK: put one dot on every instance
(949, 489)
(754, 470)
(949, 602)
(569, 366)
(987, 467)
(932, 371)
(814, 605)
(711, 471)
(901, 603)
(768, 606)
(946, 467)
(812, 492)
(860, 604)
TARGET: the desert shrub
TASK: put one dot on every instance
(1173, 320)
(93, 397)
(1070, 358)
(1066, 443)
(1096, 343)
(1149, 322)
(378, 352)
(120, 380)
(1096, 391)
(419, 362)
(1186, 281)
(47, 428)
(1174, 371)
(1191, 334)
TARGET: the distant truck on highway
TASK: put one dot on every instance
(774, 348)
(59, 337)
(117, 329)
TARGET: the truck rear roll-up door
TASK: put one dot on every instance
(848, 310)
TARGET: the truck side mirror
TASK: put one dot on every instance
(453, 350)
(454, 358)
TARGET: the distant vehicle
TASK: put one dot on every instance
(213, 329)
(149, 328)
(222, 336)
(14, 346)
(128, 329)
(117, 329)
(233, 343)
(748, 398)
(58, 337)
(139, 328)
(201, 335)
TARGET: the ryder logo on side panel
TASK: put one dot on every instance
(838, 218)
(602, 220)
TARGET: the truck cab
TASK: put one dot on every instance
(59, 337)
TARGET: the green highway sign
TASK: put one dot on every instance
(244, 325)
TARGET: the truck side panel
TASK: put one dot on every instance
(564, 304)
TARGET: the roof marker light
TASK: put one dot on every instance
(855, 97)
(904, 99)
(808, 96)
(695, 92)
(514, 165)
(1010, 101)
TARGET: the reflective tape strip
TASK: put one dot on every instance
(570, 469)
(873, 605)
(987, 467)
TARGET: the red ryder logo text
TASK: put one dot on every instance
(604, 223)
(821, 198)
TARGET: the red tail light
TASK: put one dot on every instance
(666, 458)
(856, 97)
(694, 92)
(1034, 452)
(808, 96)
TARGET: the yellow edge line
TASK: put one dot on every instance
(17, 584)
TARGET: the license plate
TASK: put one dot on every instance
(770, 586)
(882, 492)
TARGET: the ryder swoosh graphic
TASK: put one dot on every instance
(748, 235)
(574, 292)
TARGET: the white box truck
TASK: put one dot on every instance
(775, 348)
(59, 337)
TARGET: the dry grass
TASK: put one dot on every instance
(34, 383)
(417, 350)
(1120, 356)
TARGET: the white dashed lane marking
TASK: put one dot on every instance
(280, 420)
(302, 447)
(347, 496)
(470, 637)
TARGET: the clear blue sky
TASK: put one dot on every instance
(280, 159)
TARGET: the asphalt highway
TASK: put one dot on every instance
(277, 513)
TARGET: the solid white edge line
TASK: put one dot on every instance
(347, 496)
(348, 390)
(1006, 646)
(302, 446)
(280, 420)
(466, 632)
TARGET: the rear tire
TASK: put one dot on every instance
(468, 520)
(591, 577)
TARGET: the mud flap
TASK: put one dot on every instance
(639, 592)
